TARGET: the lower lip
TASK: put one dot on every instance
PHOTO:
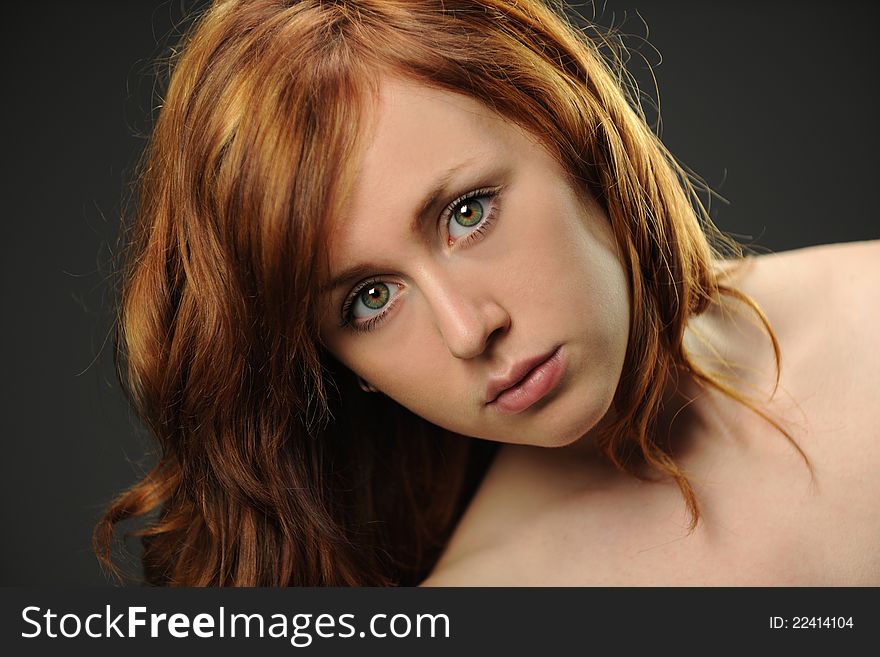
(534, 387)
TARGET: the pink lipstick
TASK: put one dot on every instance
(528, 382)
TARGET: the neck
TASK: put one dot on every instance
(689, 409)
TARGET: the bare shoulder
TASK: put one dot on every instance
(824, 304)
(845, 255)
(845, 269)
(851, 272)
(842, 277)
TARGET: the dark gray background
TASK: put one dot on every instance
(773, 103)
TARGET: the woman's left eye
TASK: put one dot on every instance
(471, 213)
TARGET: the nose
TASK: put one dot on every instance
(466, 315)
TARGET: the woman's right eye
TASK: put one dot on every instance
(368, 304)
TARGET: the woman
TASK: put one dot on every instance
(415, 296)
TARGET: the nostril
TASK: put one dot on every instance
(497, 333)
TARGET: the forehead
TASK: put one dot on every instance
(413, 135)
(410, 121)
(414, 130)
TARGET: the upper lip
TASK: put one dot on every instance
(516, 373)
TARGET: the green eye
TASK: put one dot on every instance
(468, 213)
(375, 296)
(369, 303)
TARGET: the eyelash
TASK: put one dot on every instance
(474, 236)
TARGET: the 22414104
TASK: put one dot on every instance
(811, 622)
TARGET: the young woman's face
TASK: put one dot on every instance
(483, 293)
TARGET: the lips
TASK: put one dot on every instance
(497, 385)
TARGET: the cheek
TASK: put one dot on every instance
(567, 264)
(403, 361)
(575, 272)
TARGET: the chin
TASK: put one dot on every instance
(565, 426)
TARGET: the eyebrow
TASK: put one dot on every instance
(439, 191)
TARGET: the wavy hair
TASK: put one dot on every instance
(264, 477)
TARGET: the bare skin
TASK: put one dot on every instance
(563, 516)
